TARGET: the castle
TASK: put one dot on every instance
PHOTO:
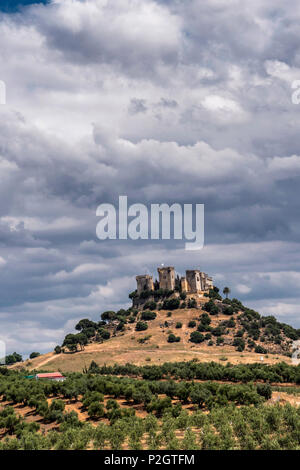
(195, 281)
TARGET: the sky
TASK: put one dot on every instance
(13, 6)
(186, 101)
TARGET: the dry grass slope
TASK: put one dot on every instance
(125, 347)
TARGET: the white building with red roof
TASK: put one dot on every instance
(57, 376)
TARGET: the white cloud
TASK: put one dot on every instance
(223, 108)
(243, 289)
(162, 101)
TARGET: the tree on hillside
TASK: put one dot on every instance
(34, 354)
(226, 292)
(13, 358)
(84, 324)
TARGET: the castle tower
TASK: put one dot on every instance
(193, 279)
(144, 282)
(166, 278)
(184, 286)
(203, 278)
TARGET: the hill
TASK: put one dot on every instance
(163, 374)
(208, 328)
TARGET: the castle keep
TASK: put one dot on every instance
(166, 278)
(194, 282)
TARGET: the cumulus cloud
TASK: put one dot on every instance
(131, 34)
(163, 101)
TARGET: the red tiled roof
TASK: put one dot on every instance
(50, 375)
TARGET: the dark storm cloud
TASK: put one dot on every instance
(132, 36)
(185, 102)
(137, 106)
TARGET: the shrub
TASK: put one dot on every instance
(218, 331)
(144, 339)
(148, 315)
(57, 349)
(204, 319)
(203, 328)
(211, 307)
(240, 333)
(260, 350)
(171, 304)
(141, 326)
(231, 323)
(228, 311)
(223, 358)
(239, 343)
(196, 337)
(214, 310)
(151, 305)
(191, 324)
(173, 339)
(178, 324)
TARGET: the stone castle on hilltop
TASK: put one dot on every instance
(195, 281)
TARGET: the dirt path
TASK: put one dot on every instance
(49, 359)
